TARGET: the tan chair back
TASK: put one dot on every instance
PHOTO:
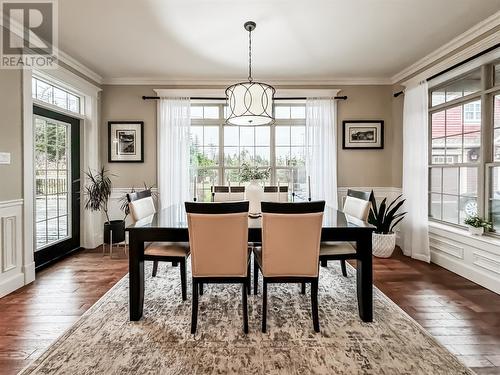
(291, 241)
(218, 241)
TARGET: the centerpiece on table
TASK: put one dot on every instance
(254, 191)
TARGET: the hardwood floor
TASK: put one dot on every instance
(460, 314)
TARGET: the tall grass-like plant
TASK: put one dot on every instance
(385, 217)
(98, 191)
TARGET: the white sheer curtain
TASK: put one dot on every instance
(173, 125)
(321, 148)
(415, 227)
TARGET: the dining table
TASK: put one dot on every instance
(170, 225)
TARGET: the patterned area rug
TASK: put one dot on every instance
(104, 341)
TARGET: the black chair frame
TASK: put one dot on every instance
(197, 287)
(366, 196)
(288, 208)
(155, 258)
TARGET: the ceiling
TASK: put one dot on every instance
(190, 40)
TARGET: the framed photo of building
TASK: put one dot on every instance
(126, 141)
(362, 134)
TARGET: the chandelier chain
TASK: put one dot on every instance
(250, 56)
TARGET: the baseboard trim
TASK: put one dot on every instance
(11, 284)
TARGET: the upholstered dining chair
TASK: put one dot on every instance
(357, 204)
(228, 194)
(271, 194)
(218, 238)
(291, 236)
(142, 206)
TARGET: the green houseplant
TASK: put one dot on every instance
(97, 195)
(477, 225)
(385, 217)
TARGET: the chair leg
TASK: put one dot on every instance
(244, 290)
(314, 304)
(264, 305)
(324, 263)
(255, 276)
(248, 283)
(194, 308)
(155, 268)
(183, 279)
(201, 289)
(343, 266)
(303, 288)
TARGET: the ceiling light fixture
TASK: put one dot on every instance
(250, 103)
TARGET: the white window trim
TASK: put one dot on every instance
(90, 223)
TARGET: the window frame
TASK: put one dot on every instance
(221, 169)
(486, 161)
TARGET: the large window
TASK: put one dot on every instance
(218, 151)
(462, 160)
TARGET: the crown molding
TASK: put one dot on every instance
(477, 30)
(79, 67)
(151, 81)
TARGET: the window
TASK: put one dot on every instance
(54, 95)
(460, 165)
(218, 151)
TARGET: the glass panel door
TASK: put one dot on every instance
(52, 193)
(57, 185)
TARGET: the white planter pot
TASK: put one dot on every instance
(383, 244)
(476, 231)
(254, 194)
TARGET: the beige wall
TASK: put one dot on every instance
(11, 176)
(377, 168)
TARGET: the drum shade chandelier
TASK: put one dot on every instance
(250, 103)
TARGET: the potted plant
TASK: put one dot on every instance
(385, 218)
(97, 193)
(254, 192)
(477, 225)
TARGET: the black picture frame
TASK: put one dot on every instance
(130, 153)
(363, 144)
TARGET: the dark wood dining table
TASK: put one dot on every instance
(170, 224)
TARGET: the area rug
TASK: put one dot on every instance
(104, 341)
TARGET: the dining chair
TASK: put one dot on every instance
(218, 238)
(271, 194)
(142, 206)
(291, 236)
(228, 194)
(357, 204)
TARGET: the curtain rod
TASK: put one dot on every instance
(144, 97)
(456, 65)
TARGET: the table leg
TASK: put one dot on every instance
(136, 276)
(364, 278)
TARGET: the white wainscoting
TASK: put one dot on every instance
(11, 246)
(476, 258)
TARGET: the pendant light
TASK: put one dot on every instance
(250, 103)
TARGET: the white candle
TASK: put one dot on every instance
(229, 186)
(309, 186)
(194, 187)
(278, 196)
(293, 180)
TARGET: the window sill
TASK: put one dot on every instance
(488, 239)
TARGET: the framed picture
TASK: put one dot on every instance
(362, 134)
(126, 141)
